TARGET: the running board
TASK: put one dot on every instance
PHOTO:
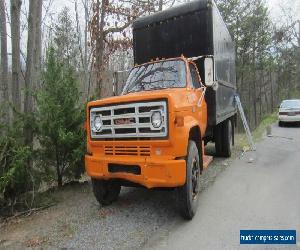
(207, 159)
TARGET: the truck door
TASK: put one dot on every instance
(199, 107)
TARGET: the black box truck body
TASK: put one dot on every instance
(194, 29)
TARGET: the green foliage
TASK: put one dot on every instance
(66, 39)
(266, 121)
(60, 121)
(288, 62)
(251, 28)
(16, 177)
(262, 46)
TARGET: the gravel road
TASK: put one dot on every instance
(259, 191)
(78, 222)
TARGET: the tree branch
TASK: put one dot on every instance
(117, 29)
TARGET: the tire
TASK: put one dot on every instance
(188, 195)
(223, 139)
(227, 138)
(280, 124)
(106, 192)
(218, 139)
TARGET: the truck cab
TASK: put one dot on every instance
(153, 134)
(143, 136)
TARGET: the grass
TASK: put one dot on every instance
(266, 121)
(241, 139)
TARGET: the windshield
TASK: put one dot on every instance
(158, 75)
(290, 104)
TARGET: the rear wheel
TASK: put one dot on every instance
(281, 124)
(223, 138)
(227, 138)
(218, 139)
(188, 195)
(106, 192)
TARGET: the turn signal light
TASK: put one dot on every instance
(179, 121)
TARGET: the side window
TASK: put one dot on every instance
(195, 78)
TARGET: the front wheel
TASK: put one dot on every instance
(106, 192)
(188, 195)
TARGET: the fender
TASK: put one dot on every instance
(182, 135)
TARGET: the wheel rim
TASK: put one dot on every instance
(195, 178)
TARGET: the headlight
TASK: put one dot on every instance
(97, 123)
(156, 119)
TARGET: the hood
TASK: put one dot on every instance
(177, 97)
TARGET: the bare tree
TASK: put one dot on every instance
(33, 55)
(108, 29)
(98, 24)
(83, 39)
(15, 10)
(160, 4)
(299, 33)
(38, 44)
(4, 63)
(166, 4)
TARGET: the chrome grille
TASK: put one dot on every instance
(129, 120)
(127, 150)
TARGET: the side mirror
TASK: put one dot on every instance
(209, 71)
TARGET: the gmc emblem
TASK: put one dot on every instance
(124, 121)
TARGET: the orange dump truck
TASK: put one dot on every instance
(179, 97)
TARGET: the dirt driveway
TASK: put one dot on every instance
(260, 194)
(77, 221)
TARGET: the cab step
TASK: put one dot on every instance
(207, 159)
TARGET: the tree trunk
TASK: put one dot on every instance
(83, 47)
(28, 101)
(86, 63)
(59, 176)
(254, 99)
(15, 11)
(249, 104)
(33, 57)
(4, 98)
(100, 46)
(299, 33)
(161, 2)
(272, 91)
(38, 45)
(59, 173)
(261, 83)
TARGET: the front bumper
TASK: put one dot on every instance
(286, 118)
(154, 172)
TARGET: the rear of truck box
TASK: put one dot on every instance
(192, 29)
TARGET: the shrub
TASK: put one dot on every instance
(16, 177)
(60, 120)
